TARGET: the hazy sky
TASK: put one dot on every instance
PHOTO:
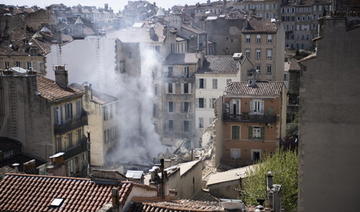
(115, 4)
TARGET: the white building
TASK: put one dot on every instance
(211, 80)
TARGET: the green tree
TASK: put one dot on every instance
(284, 167)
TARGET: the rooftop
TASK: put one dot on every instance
(259, 25)
(261, 89)
(176, 205)
(181, 59)
(22, 192)
(230, 175)
(219, 64)
(53, 92)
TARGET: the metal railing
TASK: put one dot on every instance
(250, 118)
(69, 125)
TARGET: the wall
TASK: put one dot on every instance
(37, 62)
(330, 121)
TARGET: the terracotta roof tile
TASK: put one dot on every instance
(261, 89)
(52, 91)
(176, 205)
(21, 192)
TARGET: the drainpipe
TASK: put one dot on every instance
(162, 180)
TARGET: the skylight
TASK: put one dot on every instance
(57, 202)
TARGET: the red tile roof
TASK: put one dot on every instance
(176, 205)
(261, 89)
(53, 92)
(22, 192)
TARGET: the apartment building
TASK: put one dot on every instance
(102, 122)
(267, 9)
(46, 116)
(263, 42)
(330, 116)
(211, 80)
(177, 97)
(251, 120)
(300, 20)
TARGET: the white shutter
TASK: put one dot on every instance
(167, 87)
(204, 83)
(197, 102)
(182, 88)
(204, 102)
(173, 88)
(261, 106)
(189, 87)
(252, 106)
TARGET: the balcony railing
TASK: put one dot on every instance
(72, 124)
(250, 118)
(80, 147)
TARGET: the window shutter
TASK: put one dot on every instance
(182, 107)
(173, 88)
(252, 106)
(262, 106)
(250, 133)
(189, 87)
(197, 102)
(182, 88)
(262, 132)
(167, 87)
(204, 102)
(204, 83)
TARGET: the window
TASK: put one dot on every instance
(170, 88)
(59, 144)
(235, 106)
(170, 124)
(256, 132)
(258, 67)
(247, 38)
(269, 54)
(247, 53)
(268, 69)
(258, 54)
(186, 107)
(258, 38)
(201, 103)
(201, 122)
(235, 153)
(255, 154)
(29, 65)
(70, 141)
(186, 88)
(186, 72)
(171, 107)
(186, 126)
(269, 38)
(58, 115)
(7, 65)
(68, 111)
(170, 71)
(202, 83)
(257, 106)
(212, 103)
(214, 84)
(17, 64)
(235, 132)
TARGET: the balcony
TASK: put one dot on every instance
(80, 147)
(250, 118)
(72, 124)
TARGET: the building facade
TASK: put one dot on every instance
(264, 42)
(177, 97)
(330, 118)
(46, 116)
(251, 120)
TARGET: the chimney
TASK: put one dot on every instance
(269, 180)
(57, 167)
(61, 76)
(115, 199)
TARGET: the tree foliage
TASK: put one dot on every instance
(284, 168)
